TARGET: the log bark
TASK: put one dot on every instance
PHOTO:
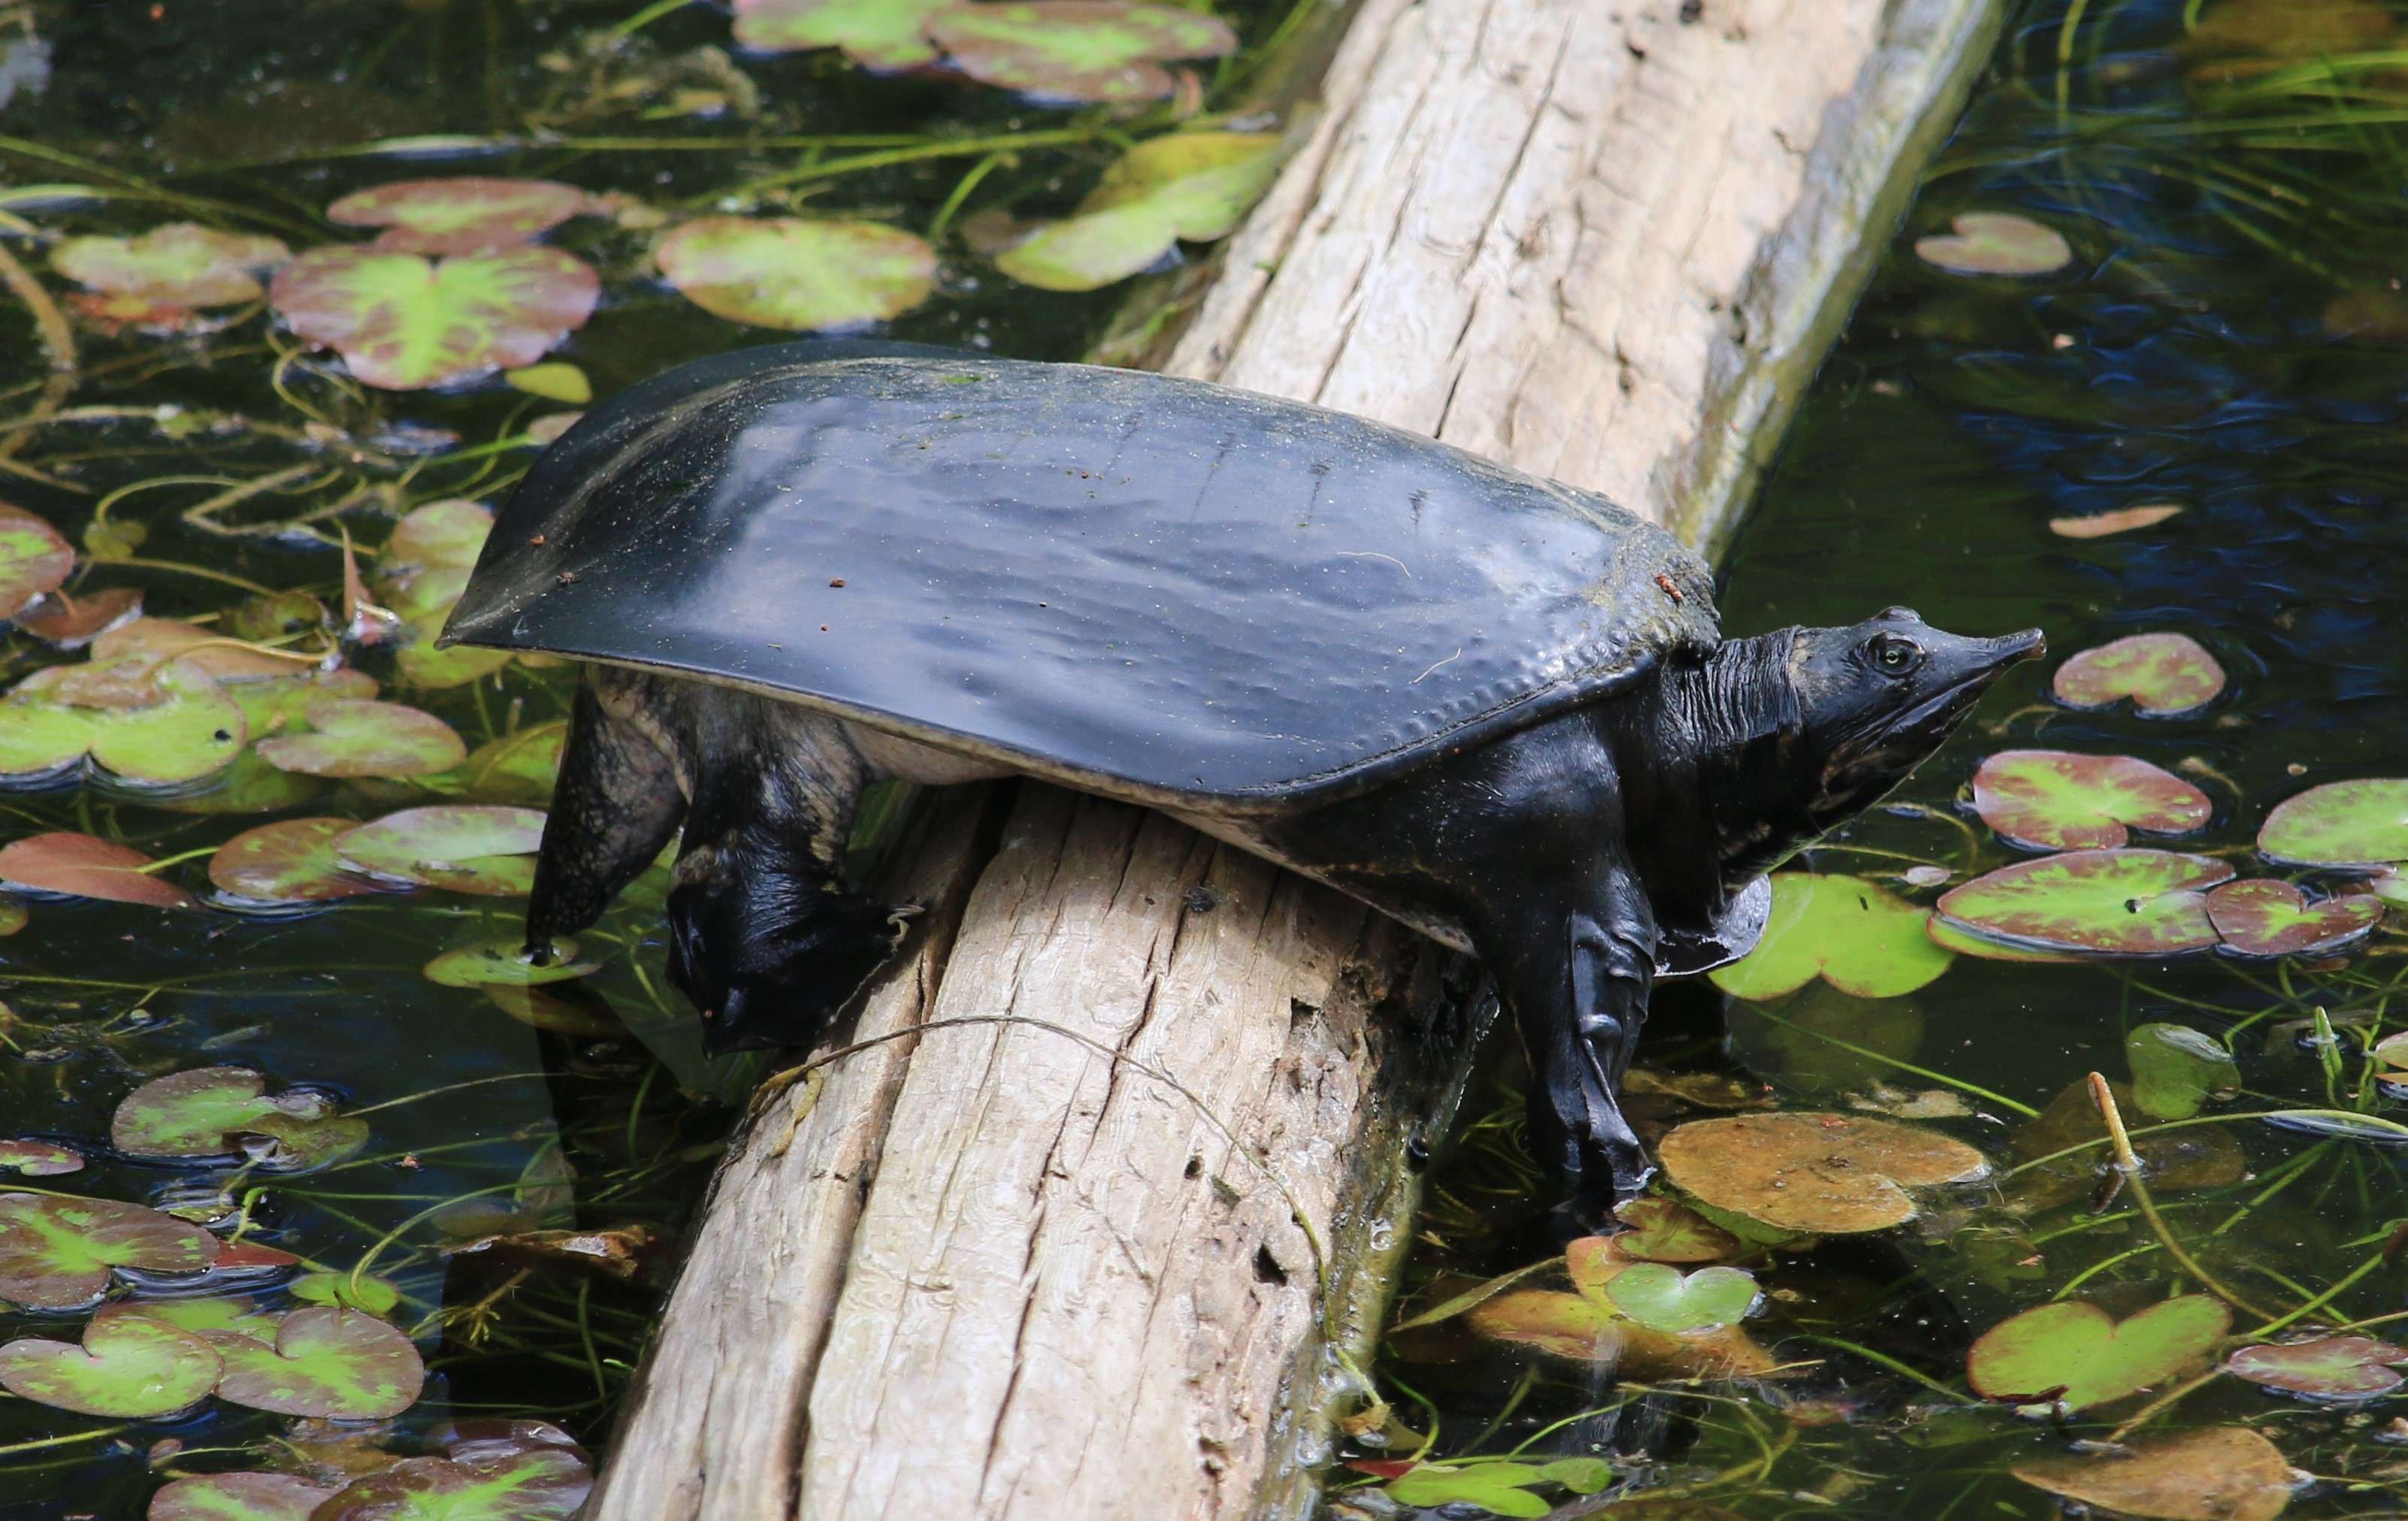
(1108, 1238)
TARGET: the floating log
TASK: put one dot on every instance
(1109, 1238)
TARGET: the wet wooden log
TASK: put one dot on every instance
(1066, 1252)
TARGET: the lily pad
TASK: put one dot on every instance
(2361, 823)
(2260, 917)
(1499, 1489)
(249, 785)
(2221, 1474)
(326, 1362)
(2329, 1368)
(531, 1484)
(1109, 50)
(1667, 1230)
(1586, 1328)
(1860, 938)
(282, 702)
(880, 33)
(38, 1159)
(292, 861)
(279, 616)
(471, 214)
(239, 1497)
(1949, 938)
(2055, 799)
(222, 658)
(802, 275)
(553, 381)
(1825, 1174)
(1996, 243)
(179, 264)
(448, 533)
(2176, 1070)
(2166, 675)
(1664, 1298)
(1191, 185)
(57, 1252)
(504, 964)
(34, 559)
(158, 724)
(2076, 1354)
(349, 738)
(82, 866)
(213, 1111)
(467, 847)
(2171, 1162)
(404, 323)
(131, 1368)
(376, 1296)
(2123, 520)
(70, 623)
(2104, 902)
(215, 1313)
(516, 768)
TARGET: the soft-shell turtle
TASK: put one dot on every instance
(1497, 708)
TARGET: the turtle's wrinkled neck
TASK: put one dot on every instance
(1736, 719)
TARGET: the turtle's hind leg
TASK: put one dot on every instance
(620, 798)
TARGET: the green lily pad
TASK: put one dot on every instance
(2222, 1473)
(471, 214)
(13, 916)
(798, 275)
(249, 785)
(1662, 1297)
(879, 34)
(466, 848)
(2362, 823)
(2055, 799)
(1996, 243)
(517, 768)
(215, 1111)
(2077, 1356)
(279, 616)
(2336, 1367)
(1499, 1489)
(239, 1497)
(34, 559)
(448, 533)
(422, 597)
(376, 1296)
(1667, 1230)
(532, 1483)
(552, 381)
(403, 323)
(38, 1159)
(292, 861)
(351, 738)
(1588, 1327)
(82, 866)
(1108, 51)
(57, 1252)
(1823, 1174)
(2166, 675)
(179, 264)
(1860, 938)
(1191, 185)
(2260, 917)
(329, 1363)
(2104, 902)
(70, 623)
(504, 964)
(131, 1368)
(2176, 1070)
(160, 724)
(215, 1313)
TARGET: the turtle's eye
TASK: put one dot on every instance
(1894, 656)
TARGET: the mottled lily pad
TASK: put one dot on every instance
(471, 214)
(292, 861)
(532, 1483)
(158, 724)
(1191, 185)
(519, 769)
(179, 264)
(2123, 520)
(131, 1368)
(239, 1497)
(2057, 800)
(1995, 243)
(326, 1362)
(57, 1252)
(2362, 823)
(2260, 917)
(1949, 938)
(1818, 1173)
(505, 964)
(799, 275)
(282, 702)
(83, 866)
(448, 533)
(880, 33)
(1860, 938)
(403, 323)
(2330, 1368)
(1109, 50)
(213, 1111)
(2164, 674)
(466, 848)
(213, 1312)
(70, 623)
(1667, 1230)
(2221, 1474)
(34, 559)
(2076, 1354)
(2104, 902)
(349, 738)
(38, 1159)
(2176, 1070)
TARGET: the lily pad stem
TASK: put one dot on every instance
(2129, 1163)
(1924, 1072)
(58, 342)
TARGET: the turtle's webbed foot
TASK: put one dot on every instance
(1602, 1162)
(775, 979)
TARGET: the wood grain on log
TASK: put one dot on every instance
(1050, 1267)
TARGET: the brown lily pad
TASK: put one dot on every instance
(403, 323)
(2221, 1474)
(222, 658)
(2166, 675)
(2106, 902)
(2261, 917)
(239, 1497)
(179, 264)
(1996, 243)
(70, 623)
(532, 1483)
(2123, 520)
(131, 1368)
(470, 214)
(34, 559)
(351, 739)
(58, 1253)
(466, 848)
(85, 866)
(291, 861)
(2058, 799)
(38, 1159)
(1109, 50)
(1823, 1174)
(796, 274)
(326, 1362)
(2337, 1368)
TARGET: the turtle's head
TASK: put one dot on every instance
(767, 958)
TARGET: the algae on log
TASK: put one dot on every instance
(1040, 1260)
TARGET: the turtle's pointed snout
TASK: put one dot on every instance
(2031, 644)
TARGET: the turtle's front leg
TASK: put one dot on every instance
(615, 806)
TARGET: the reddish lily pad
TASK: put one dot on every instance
(57, 1252)
(34, 559)
(1996, 243)
(2076, 1354)
(179, 264)
(471, 214)
(239, 1497)
(349, 738)
(1949, 938)
(505, 964)
(329, 1363)
(2055, 799)
(467, 847)
(1825, 1174)
(70, 623)
(282, 702)
(531, 1484)
(292, 861)
(1191, 185)
(38, 1159)
(222, 658)
(131, 1368)
(2105, 902)
(403, 323)
(1856, 936)
(1109, 50)
(880, 33)
(2335, 1368)
(2165, 675)
(2222, 1473)
(83, 866)
(2123, 520)
(2260, 917)
(2361, 823)
(159, 724)
(798, 275)
(1667, 1230)
(213, 1111)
